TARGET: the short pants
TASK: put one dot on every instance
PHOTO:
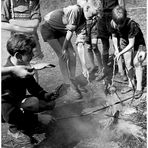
(49, 32)
(81, 34)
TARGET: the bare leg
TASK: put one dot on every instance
(105, 56)
(129, 68)
(71, 68)
(97, 53)
(138, 72)
(72, 59)
(91, 57)
(38, 53)
(56, 46)
(120, 66)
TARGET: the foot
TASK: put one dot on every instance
(100, 75)
(121, 78)
(124, 77)
(138, 94)
(93, 69)
(126, 90)
(19, 137)
(75, 93)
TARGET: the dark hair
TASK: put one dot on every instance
(20, 43)
(119, 14)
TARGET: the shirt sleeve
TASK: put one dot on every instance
(5, 11)
(35, 10)
(134, 29)
(73, 16)
(35, 89)
(113, 29)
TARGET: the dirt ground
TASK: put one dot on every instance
(70, 128)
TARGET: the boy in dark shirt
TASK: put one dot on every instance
(132, 47)
(17, 110)
(104, 32)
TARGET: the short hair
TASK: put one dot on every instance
(97, 4)
(20, 43)
(119, 14)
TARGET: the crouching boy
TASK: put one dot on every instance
(18, 110)
(132, 47)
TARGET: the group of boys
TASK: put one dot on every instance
(22, 18)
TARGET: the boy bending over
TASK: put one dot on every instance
(57, 31)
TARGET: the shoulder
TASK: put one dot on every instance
(131, 23)
(74, 8)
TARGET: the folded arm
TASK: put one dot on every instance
(25, 23)
(15, 28)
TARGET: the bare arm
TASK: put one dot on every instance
(19, 71)
(25, 23)
(115, 43)
(129, 46)
(81, 53)
(10, 27)
(67, 39)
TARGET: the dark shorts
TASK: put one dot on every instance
(104, 27)
(49, 33)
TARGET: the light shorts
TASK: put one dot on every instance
(81, 34)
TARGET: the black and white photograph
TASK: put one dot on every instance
(73, 73)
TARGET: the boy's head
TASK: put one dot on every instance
(119, 15)
(21, 47)
(92, 8)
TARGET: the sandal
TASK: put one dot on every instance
(138, 94)
(100, 75)
(126, 90)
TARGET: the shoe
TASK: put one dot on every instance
(124, 77)
(91, 70)
(126, 89)
(75, 93)
(138, 94)
(100, 75)
(19, 137)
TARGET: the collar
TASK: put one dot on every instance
(24, 0)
